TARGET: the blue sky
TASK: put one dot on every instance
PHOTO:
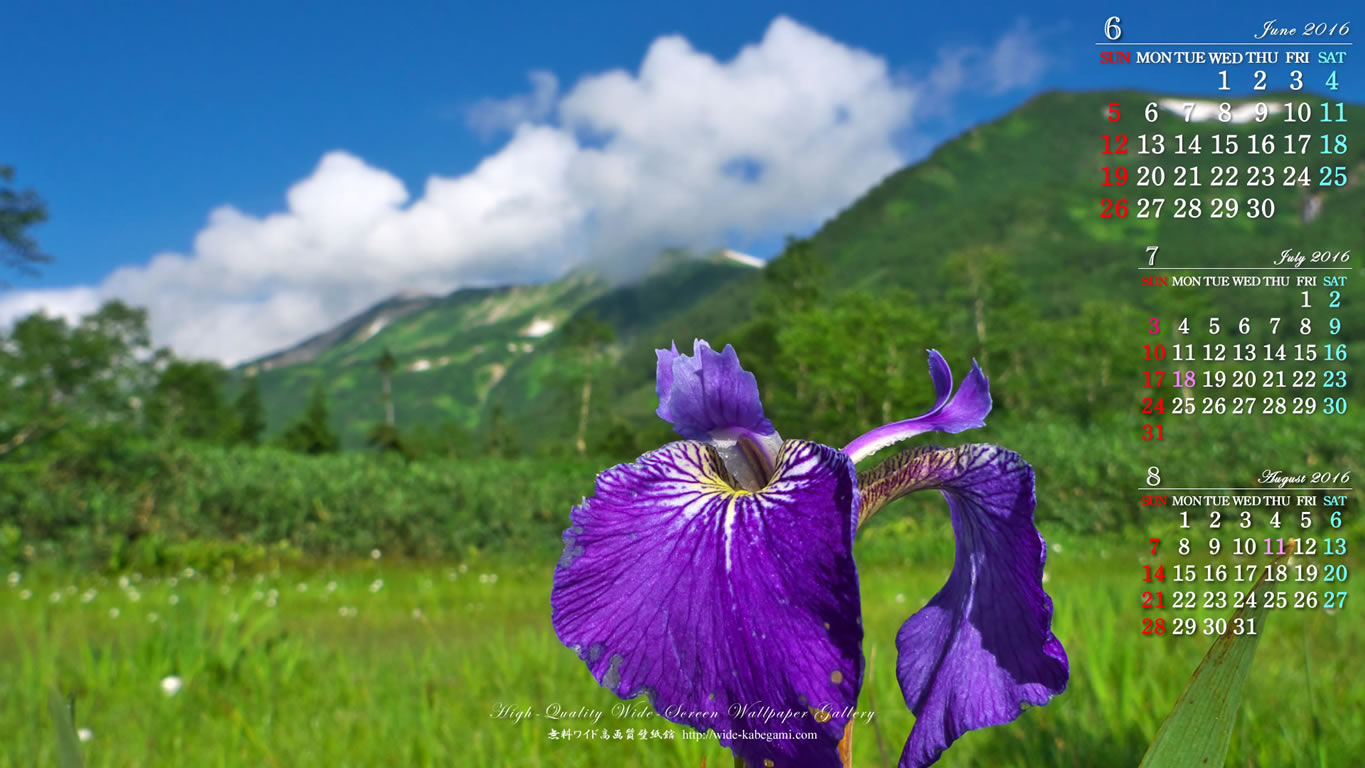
(136, 121)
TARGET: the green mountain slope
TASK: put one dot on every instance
(453, 351)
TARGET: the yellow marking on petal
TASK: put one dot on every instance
(836, 677)
(768, 762)
(821, 716)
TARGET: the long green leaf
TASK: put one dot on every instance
(68, 746)
(1199, 729)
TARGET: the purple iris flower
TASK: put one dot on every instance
(716, 574)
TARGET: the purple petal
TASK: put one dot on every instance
(729, 609)
(966, 410)
(663, 379)
(708, 392)
(942, 377)
(983, 648)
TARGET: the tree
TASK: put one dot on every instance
(187, 402)
(587, 337)
(385, 438)
(861, 357)
(792, 288)
(19, 210)
(95, 374)
(498, 439)
(250, 413)
(386, 363)
(312, 433)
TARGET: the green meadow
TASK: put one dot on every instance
(383, 661)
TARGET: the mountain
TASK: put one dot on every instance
(359, 327)
(1028, 185)
(453, 350)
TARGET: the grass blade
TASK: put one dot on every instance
(68, 746)
(1198, 731)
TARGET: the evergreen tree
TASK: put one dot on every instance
(312, 433)
(250, 413)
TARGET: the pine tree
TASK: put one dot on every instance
(250, 413)
(312, 433)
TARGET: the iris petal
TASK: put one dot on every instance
(730, 609)
(983, 647)
(708, 392)
(965, 410)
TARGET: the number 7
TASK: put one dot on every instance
(1151, 254)
(1154, 543)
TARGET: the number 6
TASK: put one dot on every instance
(1111, 28)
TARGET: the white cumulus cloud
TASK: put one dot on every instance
(687, 150)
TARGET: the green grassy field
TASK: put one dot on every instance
(390, 663)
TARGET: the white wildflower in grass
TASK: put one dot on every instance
(55, 597)
(172, 581)
(451, 575)
(260, 577)
(173, 599)
(113, 613)
(152, 617)
(134, 595)
(270, 602)
(123, 582)
(29, 551)
(258, 595)
(376, 585)
(272, 594)
(464, 568)
(302, 587)
(171, 685)
(331, 586)
(14, 578)
(233, 618)
(346, 611)
(25, 594)
(418, 615)
(188, 573)
(900, 597)
(85, 734)
(88, 595)
(483, 578)
(1057, 547)
(375, 554)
